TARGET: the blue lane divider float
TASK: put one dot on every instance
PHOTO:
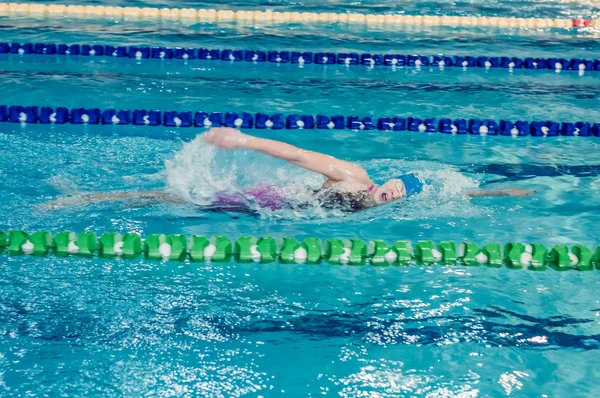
(141, 117)
(302, 57)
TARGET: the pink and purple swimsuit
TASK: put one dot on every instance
(265, 196)
(270, 197)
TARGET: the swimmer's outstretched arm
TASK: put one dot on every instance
(78, 200)
(502, 192)
(335, 170)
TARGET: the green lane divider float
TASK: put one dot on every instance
(248, 249)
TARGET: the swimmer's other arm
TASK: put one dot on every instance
(335, 170)
(502, 192)
(148, 196)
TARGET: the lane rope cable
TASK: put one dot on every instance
(211, 15)
(556, 64)
(248, 249)
(184, 119)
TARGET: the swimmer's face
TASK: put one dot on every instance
(390, 191)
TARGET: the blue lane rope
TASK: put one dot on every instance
(141, 117)
(302, 57)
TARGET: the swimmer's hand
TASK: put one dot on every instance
(503, 192)
(226, 138)
(520, 192)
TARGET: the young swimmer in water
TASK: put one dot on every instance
(346, 182)
(347, 187)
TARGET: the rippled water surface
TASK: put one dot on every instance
(93, 327)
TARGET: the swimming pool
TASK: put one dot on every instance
(74, 326)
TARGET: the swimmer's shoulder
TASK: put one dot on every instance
(343, 186)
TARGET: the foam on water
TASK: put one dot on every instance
(189, 173)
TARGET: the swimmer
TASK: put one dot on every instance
(347, 185)
(342, 177)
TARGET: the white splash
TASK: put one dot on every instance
(191, 174)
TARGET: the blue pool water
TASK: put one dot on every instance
(74, 326)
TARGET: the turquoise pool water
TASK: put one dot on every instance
(128, 328)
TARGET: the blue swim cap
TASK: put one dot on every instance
(412, 184)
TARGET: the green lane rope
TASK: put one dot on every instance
(247, 249)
